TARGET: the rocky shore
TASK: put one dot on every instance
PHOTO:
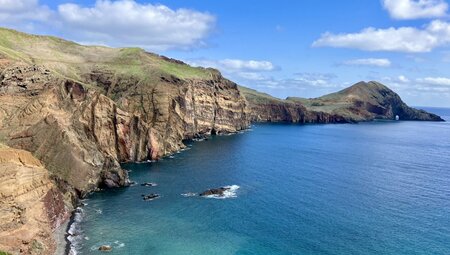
(70, 114)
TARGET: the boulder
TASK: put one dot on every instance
(150, 197)
(217, 192)
(105, 248)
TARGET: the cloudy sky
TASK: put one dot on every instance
(297, 48)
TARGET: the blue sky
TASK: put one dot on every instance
(286, 48)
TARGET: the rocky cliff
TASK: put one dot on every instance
(83, 110)
(265, 108)
(360, 102)
(31, 205)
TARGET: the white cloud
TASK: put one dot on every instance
(377, 62)
(251, 76)
(250, 65)
(403, 79)
(403, 39)
(323, 80)
(236, 65)
(17, 5)
(439, 81)
(114, 23)
(238, 69)
(126, 22)
(440, 86)
(18, 13)
(415, 9)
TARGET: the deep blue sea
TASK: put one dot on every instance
(369, 188)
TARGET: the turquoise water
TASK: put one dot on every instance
(371, 188)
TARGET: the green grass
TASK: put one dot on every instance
(184, 71)
(4, 253)
(259, 97)
(74, 61)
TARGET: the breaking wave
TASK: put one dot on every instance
(229, 193)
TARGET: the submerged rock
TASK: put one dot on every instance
(150, 197)
(105, 248)
(149, 184)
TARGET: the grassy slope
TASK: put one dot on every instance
(340, 101)
(257, 97)
(72, 60)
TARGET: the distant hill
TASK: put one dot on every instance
(364, 101)
(83, 110)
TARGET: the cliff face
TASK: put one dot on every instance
(81, 129)
(360, 102)
(31, 206)
(83, 110)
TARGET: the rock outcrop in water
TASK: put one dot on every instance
(81, 111)
(217, 192)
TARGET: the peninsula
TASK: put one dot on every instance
(70, 114)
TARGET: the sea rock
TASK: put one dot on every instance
(105, 248)
(150, 197)
(217, 192)
(149, 184)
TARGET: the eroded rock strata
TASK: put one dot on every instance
(31, 205)
(364, 101)
(81, 111)
(82, 135)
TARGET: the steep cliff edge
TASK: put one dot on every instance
(82, 110)
(265, 108)
(31, 206)
(360, 102)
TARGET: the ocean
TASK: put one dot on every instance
(368, 188)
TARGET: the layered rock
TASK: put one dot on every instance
(360, 102)
(265, 108)
(82, 134)
(81, 111)
(31, 206)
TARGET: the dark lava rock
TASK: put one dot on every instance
(105, 248)
(149, 184)
(150, 197)
(217, 192)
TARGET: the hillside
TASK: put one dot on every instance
(360, 102)
(82, 110)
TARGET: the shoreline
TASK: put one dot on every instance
(60, 236)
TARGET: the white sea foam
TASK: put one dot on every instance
(189, 194)
(75, 237)
(230, 193)
(118, 244)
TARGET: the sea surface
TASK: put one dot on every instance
(369, 188)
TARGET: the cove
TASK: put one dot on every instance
(370, 188)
